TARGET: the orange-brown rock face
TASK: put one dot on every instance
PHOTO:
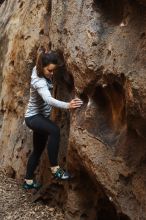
(103, 44)
(21, 24)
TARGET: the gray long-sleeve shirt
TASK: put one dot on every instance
(41, 100)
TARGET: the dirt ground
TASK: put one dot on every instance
(15, 203)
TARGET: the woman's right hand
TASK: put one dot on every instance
(75, 103)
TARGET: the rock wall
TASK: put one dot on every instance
(20, 24)
(103, 46)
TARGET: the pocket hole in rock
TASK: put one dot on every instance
(105, 113)
(123, 217)
(12, 63)
(112, 10)
(1, 2)
(21, 4)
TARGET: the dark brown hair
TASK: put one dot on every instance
(44, 59)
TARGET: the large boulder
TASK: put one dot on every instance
(103, 143)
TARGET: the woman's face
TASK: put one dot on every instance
(49, 70)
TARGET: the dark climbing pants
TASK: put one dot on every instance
(43, 130)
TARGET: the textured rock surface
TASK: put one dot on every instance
(21, 26)
(103, 44)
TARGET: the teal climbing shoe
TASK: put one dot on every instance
(62, 174)
(34, 185)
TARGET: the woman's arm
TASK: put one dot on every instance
(47, 97)
(44, 92)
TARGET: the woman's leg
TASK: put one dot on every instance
(53, 142)
(39, 142)
(41, 126)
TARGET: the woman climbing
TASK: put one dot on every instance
(37, 118)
